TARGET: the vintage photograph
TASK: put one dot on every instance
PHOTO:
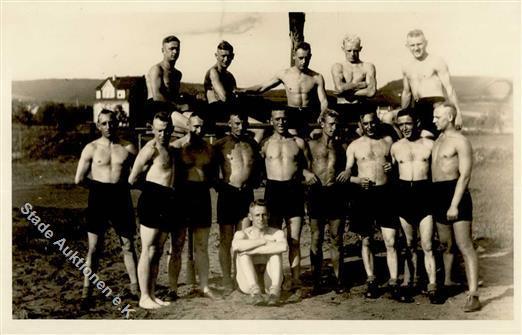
(287, 162)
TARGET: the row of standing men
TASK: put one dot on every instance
(178, 176)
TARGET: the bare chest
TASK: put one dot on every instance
(420, 71)
(171, 80)
(163, 158)
(354, 72)
(299, 83)
(443, 150)
(411, 152)
(114, 155)
(373, 150)
(324, 153)
(282, 149)
(238, 153)
(196, 156)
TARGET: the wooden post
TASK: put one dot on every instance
(296, 22)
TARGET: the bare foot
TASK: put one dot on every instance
(160, 302)
(148, 303)
(451, 283)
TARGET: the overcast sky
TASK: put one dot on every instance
(96, 40)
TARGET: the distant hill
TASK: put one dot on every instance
(57, 90)
(69, 90)
(469, 88)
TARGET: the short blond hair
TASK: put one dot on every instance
(416, 33)
(351, 38)
(449, 107)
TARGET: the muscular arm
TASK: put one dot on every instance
(371, 83)
(141, 164)
(444, 76)
(258, 168)
(131, 149)
(218, 87)
(84, 164)
(406, 91)
(321, 93)
(242, 243)
(155, 78)
(261, 246)
(273, 82)
(310, 177)
(465, 162)
(392, 154)
(340, 85)
(345, 175)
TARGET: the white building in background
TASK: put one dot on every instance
(125, 95)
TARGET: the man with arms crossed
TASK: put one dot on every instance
(260, 250)
(354, 80)
(414, 200)
(103, 167)
(327, 199)
(164, 81)
(287, 162)
(451, 163)
(155, 206)
(425, 79)
(195, 173)
(304, 89)
(239, 160)
(372, 203)
(220, 89)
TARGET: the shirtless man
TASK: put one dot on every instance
(195, 173)
(412, 155)
(304, 89)
(239, 161)
(425, 79)
(155, 206)
(372, 203)
(287, 162)
(164, 81)
(260, 250)
(219, 83)
(327, 200)
(220, 89)
(354, 80)
(103, 168)
(451, 163)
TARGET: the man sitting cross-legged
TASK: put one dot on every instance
(260, 250)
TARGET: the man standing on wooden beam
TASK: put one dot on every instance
(305, 92)
(354, 81)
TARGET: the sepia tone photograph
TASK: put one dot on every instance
(273, 162)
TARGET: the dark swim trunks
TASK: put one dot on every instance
(233, 203)
(327, 202)
(442, 195)
(218, 111)
(414, 200)
(350, 112)
(157, 207)
(373, 208)
(424, 110)
(194, 204)
(110, 203)
(299, 118)
(284, 198)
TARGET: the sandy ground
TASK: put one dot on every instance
(45, 285)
